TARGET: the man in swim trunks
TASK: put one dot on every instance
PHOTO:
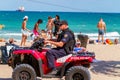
(101, 30)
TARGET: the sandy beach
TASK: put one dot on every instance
(106, 68)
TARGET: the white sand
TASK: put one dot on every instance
(108, 67)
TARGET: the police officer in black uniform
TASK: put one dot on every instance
(62, 44)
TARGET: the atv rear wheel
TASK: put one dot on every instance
(24, 72)
(77, 73)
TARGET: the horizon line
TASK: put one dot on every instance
(60, 11)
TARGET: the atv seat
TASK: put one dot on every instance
(63, 59)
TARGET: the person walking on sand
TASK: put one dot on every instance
(101, 30)
(24, 31)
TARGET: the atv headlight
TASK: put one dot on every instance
(22, 57)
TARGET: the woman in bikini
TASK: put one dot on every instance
(24, 31)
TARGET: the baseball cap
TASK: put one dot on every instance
(63, 23)
(25, 17)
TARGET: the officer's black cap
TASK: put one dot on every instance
(63, 23)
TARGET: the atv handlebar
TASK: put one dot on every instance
(39, 44)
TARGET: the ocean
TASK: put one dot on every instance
(79, 22)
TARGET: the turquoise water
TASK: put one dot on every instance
(78, 22)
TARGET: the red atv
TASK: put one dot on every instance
(30, 63)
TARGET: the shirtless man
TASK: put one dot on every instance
(101, 29)
(49, 26)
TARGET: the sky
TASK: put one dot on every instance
(63, 5)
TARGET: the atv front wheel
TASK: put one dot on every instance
(24, 72)
(77, 73)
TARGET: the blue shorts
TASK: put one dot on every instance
(100, 32)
